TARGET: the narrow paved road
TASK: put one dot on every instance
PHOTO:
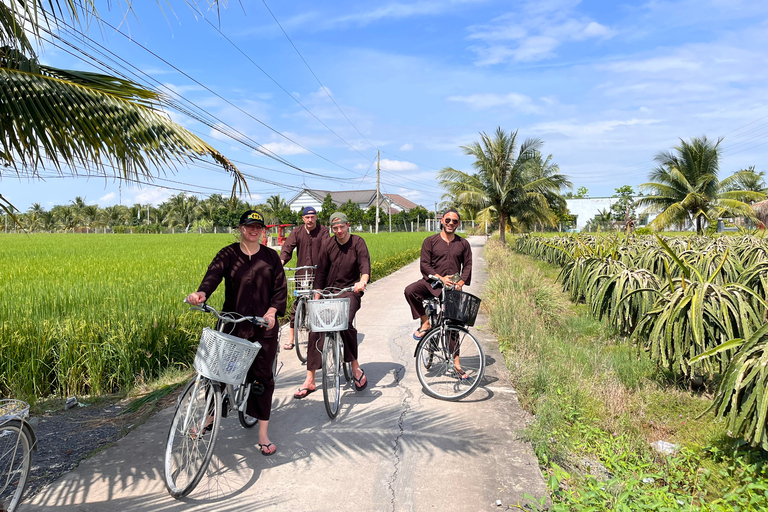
(391, 448)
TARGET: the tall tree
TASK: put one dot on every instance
(53, 117)
(685, 187)
(509, 182)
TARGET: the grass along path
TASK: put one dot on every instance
(93, 314)
(599, 403)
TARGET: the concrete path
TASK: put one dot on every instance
(391, 448)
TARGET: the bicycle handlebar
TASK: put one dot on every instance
(332, 294)
(205, 308)
(306, 267)
(439, 281)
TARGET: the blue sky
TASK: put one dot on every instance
(605, 85)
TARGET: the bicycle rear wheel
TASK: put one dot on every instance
(440, 373)
(331, 374)
(192, 436)
(301, 330)
(16, 443)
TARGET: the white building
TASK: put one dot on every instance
(363, 198)
(585, 210)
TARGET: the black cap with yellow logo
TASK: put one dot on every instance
(251, 217)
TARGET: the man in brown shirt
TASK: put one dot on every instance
(344, 262)
(307, 241)
(443, 255)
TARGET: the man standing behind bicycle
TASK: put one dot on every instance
(344, 262)
(444, 255)
(307, 241)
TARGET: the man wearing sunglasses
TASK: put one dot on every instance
(445, 255)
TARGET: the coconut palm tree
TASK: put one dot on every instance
(510, 182)
(685, 187)
(49, 116)
(183, 211)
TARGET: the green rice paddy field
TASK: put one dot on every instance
(94, 314)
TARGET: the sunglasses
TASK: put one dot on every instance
(451, 221)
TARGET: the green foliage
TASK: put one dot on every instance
(94, 314)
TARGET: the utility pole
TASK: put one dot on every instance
(389, 207)
(436, 217)
(378, 179)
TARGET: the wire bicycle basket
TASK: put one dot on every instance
(11, 408)
(302, 280)
(461, 307)
(326, 315)
(224, 358)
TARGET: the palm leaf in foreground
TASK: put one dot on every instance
(104, 125)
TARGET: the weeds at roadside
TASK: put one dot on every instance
(598, 403)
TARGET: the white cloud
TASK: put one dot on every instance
(574, 129)
(283, 148)
(398, 10)
(397, 165)
(533, 32)
(107, 199)
(513, 100)
(154, 196)
(406, 147)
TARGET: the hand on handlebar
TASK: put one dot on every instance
(196, 298)
(359, 286)
(269, 316)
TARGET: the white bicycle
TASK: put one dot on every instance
(17, 441)
(222, 362)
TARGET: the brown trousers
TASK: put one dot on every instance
(416, 293)
(348, 337)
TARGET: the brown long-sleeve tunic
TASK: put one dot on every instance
(342, 265)
(252, 286)
(307, 244)
(439, 257)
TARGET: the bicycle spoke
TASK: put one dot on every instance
(450, 363)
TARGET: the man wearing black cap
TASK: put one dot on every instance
(254, 285)
(306, 240)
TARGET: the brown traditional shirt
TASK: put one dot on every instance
(439, 257)
(306, 243)
(342, 265)
(252, 285)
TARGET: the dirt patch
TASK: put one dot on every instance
(67, 437)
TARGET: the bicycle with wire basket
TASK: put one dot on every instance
(300, 286)
(17, 441)
(222, 362)
(450, 363)
(330, 315)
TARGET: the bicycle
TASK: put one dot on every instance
(301, 282)
(450, 362)
(222, 362)
(330, 315)
(17, 441)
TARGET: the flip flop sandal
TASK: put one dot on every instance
(288, 346)
(359, 386)
(267, 453)
(422, 331)
(299, 395)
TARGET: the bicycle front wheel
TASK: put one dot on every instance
(15, 459)
(192, 436)
(301, 330)
(332, 374)
(450, 363)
